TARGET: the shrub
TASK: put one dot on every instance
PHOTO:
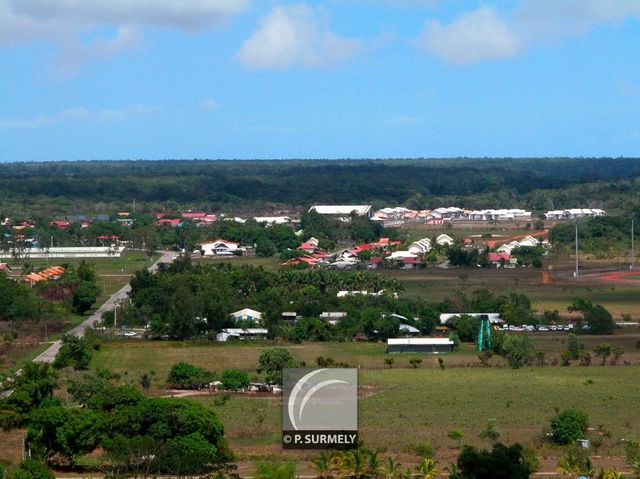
(423, 449)
(501, 462)
(574, 346)
(31, 469)
(275, 470)
(74, 352)
(272, 361)
(415, 362)
(490, 431)
(188, 376)
(569, 425)
(234, 380)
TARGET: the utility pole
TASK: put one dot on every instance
(633, 246)
(577, 263)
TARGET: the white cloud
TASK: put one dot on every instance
(43, 17)
(79, 114)
(74, 54)
(487, 34)
(296, 35)
(64, 21)
(479, 35)
(208, 104)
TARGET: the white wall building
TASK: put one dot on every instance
(343, 210)
(220, 248)
(420, 247)
(494, 318)
(573, 213)
(499, 215)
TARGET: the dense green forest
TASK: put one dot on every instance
(537, 184)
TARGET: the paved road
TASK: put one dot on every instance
(50, 354)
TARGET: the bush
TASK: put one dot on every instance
(569, 425)
(234, 380)
(599, 320)
(74, 352)
(466, 327)
(272, 361)
(501, 462)
(518, 350)
(275, 470)
(574, 346)
(490, 431)
(31, 469)
(638, 344)
(188, 376)
(84, 296)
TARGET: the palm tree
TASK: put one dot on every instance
(428, 468)
(374, 464)
(610, 474)
(391, 469)
(574, 464)
(353, 464)
(323, 465)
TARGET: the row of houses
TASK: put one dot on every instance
(399, 215)
(526, 241)
(573, 213)
(51, 273)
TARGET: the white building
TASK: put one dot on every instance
(499, 215)
(68, 252)
(573, 213)
(247, 314)
(343, 210)
(273, 220)
(241, 334)
(450, 212)
(420, 345)
(444, 240)
(332, 317)
(420, 247)
(400, 255)
(220, 248)
(494, 318)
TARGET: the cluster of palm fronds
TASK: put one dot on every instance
(363, 463)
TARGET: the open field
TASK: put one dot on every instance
(433, 284)
(402, 406)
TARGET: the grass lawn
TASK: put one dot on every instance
(401, 406)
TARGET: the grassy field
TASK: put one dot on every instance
(402, 405)
(433, 284)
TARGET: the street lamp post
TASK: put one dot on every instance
(577, 260)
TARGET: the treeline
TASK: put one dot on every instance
(137, 435)
(218, 184)
(598, 235)
(185, 300)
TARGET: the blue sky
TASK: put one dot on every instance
(154, 79)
